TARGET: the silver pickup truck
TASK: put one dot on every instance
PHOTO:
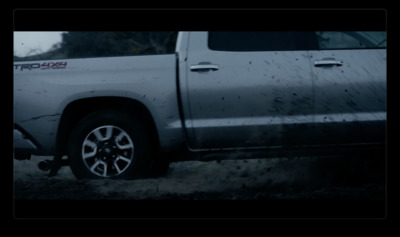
(260, 93)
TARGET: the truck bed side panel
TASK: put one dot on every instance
(42, 93)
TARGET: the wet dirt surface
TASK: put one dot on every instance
(303, 178)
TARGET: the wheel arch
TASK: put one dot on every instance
(78, 109)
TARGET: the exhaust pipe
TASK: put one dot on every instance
(45, 165)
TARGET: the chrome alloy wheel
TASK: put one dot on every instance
(107, 151)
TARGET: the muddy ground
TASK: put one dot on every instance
(302, 187)
(310, 178)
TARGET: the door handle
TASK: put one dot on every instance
(204, 67)
(328, 62)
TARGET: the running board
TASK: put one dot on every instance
(280, 152)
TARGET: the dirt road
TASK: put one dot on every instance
(307, 178)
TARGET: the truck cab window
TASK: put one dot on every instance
(261, 41)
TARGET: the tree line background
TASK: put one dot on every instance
(107, 44)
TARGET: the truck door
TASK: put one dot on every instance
(248, 89)
(350, 87)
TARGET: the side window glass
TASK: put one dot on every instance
(86, 44)
(351, 39)
(261, 41)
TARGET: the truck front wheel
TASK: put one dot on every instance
(109, 144)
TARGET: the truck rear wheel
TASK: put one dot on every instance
(109, 144)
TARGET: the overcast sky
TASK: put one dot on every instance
(24, 41)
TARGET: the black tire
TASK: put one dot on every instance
(110, 144)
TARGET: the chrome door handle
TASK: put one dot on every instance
(328, 62)
(204, 67)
